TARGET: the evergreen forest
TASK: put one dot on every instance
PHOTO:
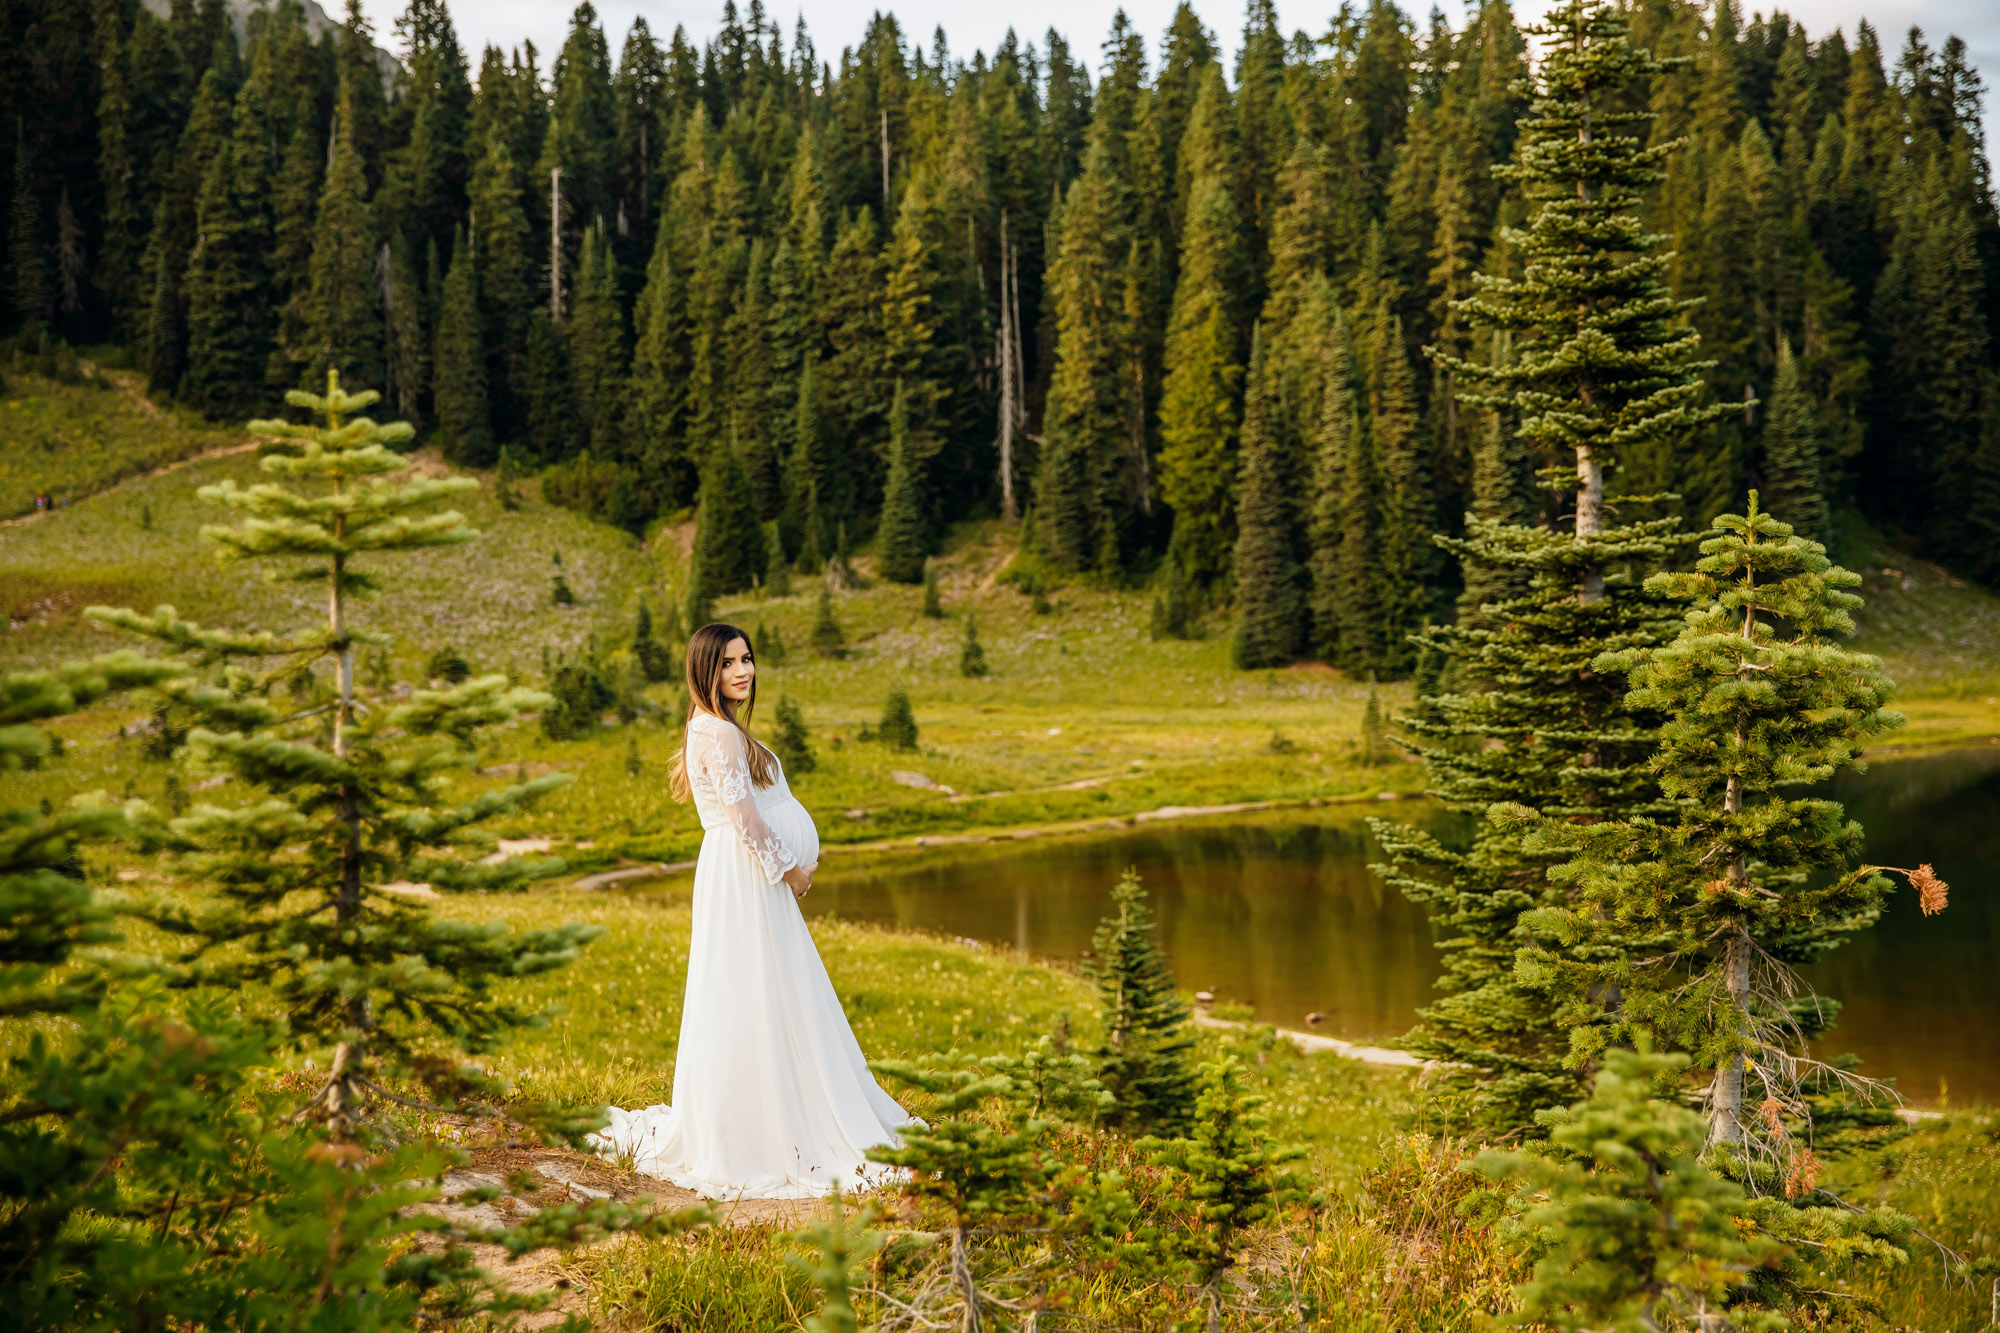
(1512, 418)
(1197, 325)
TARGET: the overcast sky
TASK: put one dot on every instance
(976, 26)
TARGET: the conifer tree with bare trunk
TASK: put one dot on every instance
(1687, 928)
(352, 794)
(1749, 877)
(1599, 366)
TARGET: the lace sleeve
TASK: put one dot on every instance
(718, 753)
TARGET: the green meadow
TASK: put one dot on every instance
(1084, 718)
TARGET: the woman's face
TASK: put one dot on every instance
(737, 671)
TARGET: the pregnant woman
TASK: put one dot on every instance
(772, 1098)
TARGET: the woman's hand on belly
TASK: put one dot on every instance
(800, 879)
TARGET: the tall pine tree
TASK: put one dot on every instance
(729, 554)
(655, 401)
(900, 548)
(464, 412)
(1085, 421)
(1200, 404)
(1269, 608)
(499, 238)
(1599, 367)
(343, 317)
(599, 352)
(1341, 524)
(228, 315)
(28, 244)
(1794, 490)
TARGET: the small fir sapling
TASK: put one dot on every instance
(447, 665)
(506, 477)
(933, 603)
(899, 721)
(793, 744)
(700, 595)
(369, 979)
(1373, 751)
(1633, 1231)
(971, 654)
(1234, 1175)
(981, 1175)
(673, 633)
(579, 692)
(1143, 1061)
(983, 1155)
(656, 661)
(376, 673)
(628, 691)
(778, 581)
(1050, 1080)
(838, 569)
(840, 1244)
(1173, 606)
(769, 645)
(828, 639)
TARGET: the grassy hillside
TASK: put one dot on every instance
(139, 544)
(1083, 716)
(1940, 639)
(72, 440)
(1401, 1243)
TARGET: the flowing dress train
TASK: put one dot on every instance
(772, 1096)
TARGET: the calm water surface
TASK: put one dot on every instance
(1280, 912)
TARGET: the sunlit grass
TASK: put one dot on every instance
(70, 440)
(1083, 718)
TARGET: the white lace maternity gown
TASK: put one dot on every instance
(772, 1097)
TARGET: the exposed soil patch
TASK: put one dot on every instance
(128, 384)
(559, 1177)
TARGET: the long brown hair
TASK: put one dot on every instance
(706, 647)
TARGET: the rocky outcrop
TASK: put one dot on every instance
(317, 23)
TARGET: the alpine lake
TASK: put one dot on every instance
(1279, 911)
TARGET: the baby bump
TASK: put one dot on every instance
(790, 821)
